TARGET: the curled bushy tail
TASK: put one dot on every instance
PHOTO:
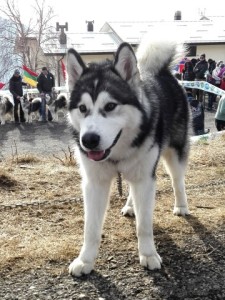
(157, 53)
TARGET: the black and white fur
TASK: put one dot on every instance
(60, 105)
(126, 114)
(6, 109)
(31, 107)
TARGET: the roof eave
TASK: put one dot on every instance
(81, 53)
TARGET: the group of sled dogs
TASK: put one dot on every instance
(31, 107)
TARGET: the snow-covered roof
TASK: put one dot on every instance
(84, 43)
(207, 31)
(194, 32)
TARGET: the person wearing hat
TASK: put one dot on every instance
(45, 84)
(16, 89)
(200, 70)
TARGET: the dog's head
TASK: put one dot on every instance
(104, 107)
(4, 100)
(24, 101)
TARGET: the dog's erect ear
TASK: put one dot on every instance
(74, 67)
(126, 62)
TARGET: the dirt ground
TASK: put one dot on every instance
(42, 225)
(50, 137)
(36, 137)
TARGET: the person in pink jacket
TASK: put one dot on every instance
(220, 113)
(222, 70)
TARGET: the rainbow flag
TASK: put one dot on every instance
(29, 76)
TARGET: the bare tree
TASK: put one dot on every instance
(8, 59)
(22, 43)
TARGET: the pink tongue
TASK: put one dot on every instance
(96, 155)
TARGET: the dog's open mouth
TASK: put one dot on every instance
(98, 155)
(102, 154)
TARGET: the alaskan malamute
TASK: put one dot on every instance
(6, 108)
(60, 105)
(126, 114)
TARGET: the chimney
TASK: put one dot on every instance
(90, 26)
(62, 36)
(177, 16)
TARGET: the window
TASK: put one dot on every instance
(192, 50)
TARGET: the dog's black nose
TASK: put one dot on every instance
(90, 140)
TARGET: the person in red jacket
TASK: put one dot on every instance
(222, 83)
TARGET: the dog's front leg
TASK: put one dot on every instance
(96, 196)
(2, 120)
(56, 117)
(128, 209)
(143, 195)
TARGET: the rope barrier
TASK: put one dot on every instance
(202, 85)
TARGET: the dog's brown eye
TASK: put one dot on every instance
(110, 106)
(82, 108)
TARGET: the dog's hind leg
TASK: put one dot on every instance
(176, 168)
(96, 194)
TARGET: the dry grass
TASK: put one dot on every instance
(32, 236)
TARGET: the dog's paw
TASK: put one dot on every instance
(78, 267)
(181, 211)
(152, 262)
(127, 211)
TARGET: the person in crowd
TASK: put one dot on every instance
(220, 115)
(16, 89)
(198, 117)
(215, 80)
(222, 70)
(217, 70)
(212, 65)
(200, 69)
(222, 83)
(194, 61)
(189, 95)
(220, 112)
(45, 85)
(188, 73)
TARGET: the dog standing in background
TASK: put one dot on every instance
(125, 115)
(60, 105)
(6, 108)
(32, 106)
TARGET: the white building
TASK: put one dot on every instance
(206, 35)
